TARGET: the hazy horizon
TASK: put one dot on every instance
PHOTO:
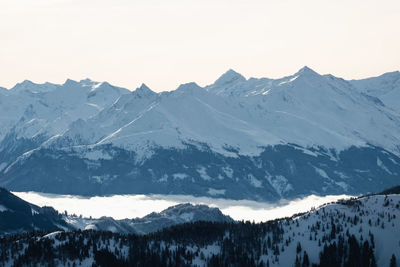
(167, 43)
(209, 83)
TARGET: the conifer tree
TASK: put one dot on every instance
(393, 262)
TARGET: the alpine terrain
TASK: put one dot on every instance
(361, 231)
(238, 138)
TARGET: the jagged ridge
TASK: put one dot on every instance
(96, 127)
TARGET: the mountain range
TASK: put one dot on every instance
(238, 138)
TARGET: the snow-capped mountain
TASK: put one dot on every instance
(181, 213)
(48, 109)
(236, 138)
(357, 232)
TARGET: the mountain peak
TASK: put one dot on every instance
(144, 91)
(87, 80)
(29, 86)
(144, 87)
(92, 84)
(189, 212)
(390, 76)
(26, 84)
(192, 86)
(70, 82)
(229, 77)
(306, 71)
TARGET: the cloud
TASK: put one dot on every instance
(133, 206)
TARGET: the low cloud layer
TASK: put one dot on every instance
(133, 206)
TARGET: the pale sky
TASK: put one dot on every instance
(164, 43)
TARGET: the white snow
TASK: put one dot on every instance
(254, 181)
(279, 183)
(203, 173)
(90, 227)
(34, 211)
(343, 185)
(382, 166)
(94, 105)
(2, 165)
(234, 112)
(112, 229)
(3, 208)
(385, 87)
(163, 178)
(51, 112)
(95, 86)
(228, 172)
(180, 176)
(289, 80)
(216, 192)
(371, 208)
(52, 235)
(187, 216)
(321, 173)
(341, 175)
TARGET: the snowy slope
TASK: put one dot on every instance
(306, 109)
(189, 135)
(310, 110)
(357, 232)
(377, 215)
(385, 87)
(48, 109)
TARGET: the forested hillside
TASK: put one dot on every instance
(356, 232)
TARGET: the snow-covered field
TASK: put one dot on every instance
(133, 206)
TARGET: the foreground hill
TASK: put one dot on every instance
(237, 138)
(17, 215)
(357, 232)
